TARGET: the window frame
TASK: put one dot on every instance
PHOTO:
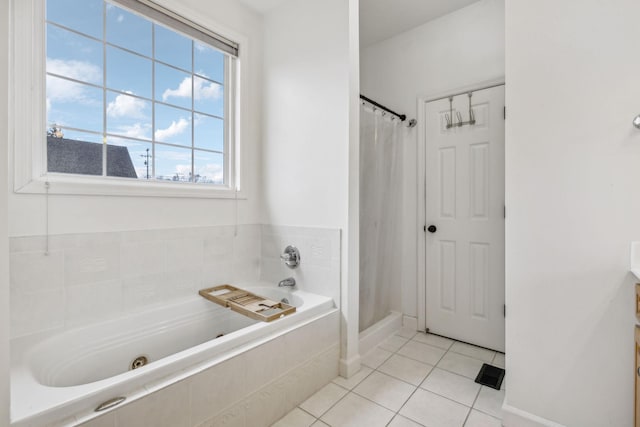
(28, 120)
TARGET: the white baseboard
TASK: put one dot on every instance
(348, 368)
(374, 335)
(514, 417)
(410, 322)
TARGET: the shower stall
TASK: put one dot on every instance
(381, 136)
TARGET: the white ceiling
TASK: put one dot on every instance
(382, 19)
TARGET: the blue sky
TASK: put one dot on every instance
(130, 87)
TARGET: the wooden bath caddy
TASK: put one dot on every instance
(247, 303)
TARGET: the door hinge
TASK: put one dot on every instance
(504, 112)
(504, 310)
(505, 212)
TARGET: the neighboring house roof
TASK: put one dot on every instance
(80, 157)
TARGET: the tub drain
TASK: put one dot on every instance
(138, 362)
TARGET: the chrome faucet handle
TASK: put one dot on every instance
(291, 256)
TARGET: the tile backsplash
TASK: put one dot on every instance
(92, 277)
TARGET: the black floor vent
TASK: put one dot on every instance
(491, 376)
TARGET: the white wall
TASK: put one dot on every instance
(81, 214)
(306, 118)
(306, 113)
(4, 241)
(572, 209)
(459, 49)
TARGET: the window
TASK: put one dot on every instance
(129, 97)
(134, 95)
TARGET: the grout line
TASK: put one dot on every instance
(391, 353)
(305, 411)
(398, 349)
(437, 394)
(378, 404)
(416, 388)
(482, 360)
(335, 403)
(386, 407)
(486, 413)
(359, 382)
(472, 404)
(452, 372)
(400, 379)
(448, 398)
(433, 345)
(464, 342)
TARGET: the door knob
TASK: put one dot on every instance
(432, 229)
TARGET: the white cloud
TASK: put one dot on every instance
(120, 18)
(79, 70)
(211, 172)
(137, 130)
(61, 90)
(126, 106)
(201, 88)
(183, 90)
(182, 155)
(175, 128)
(207, 91)
(204, 173)
(183, 170)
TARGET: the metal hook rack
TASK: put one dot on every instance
(450, 118)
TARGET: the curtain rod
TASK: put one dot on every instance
(402, 117)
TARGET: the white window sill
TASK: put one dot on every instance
(106, 186)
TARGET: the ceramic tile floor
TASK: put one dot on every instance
(411, 379)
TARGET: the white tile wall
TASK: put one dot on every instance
(115, 273)
(217, 388)
(48, 276)
(93, 277)
(319, 269)
(93, 302)
(36, 311)
(142, 258)
(91, 264)
(167, 407)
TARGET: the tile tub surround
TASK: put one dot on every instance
(399, 388)
(91, 277)
(320, 258)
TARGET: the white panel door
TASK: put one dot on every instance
(465, 205)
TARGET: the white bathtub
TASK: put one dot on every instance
(56, 377)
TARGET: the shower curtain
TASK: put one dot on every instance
(380, 210)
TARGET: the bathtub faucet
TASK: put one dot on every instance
(289, 282)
